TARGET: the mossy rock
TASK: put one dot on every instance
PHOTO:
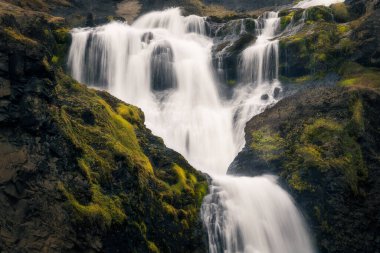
(317, 48)
(340, 12)
(322, 143)
(356, 76)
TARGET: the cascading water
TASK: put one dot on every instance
(259, 74)
(310, 3)
(162, 66)
(162, 63)
(253, 215)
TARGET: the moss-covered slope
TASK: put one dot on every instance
(79, 171)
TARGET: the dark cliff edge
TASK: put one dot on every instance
(323, 141)
(79, 171)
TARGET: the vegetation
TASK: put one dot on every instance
(268, 145)
(18, 37)
(323, 144)
(355, 76)
(108, 137)
(321, 46)
(340, 12)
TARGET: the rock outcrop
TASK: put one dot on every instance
(324, 145)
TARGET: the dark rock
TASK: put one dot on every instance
(90, 20)
(264, 97)
(147, 37)
(227, 51)
(367, 37)
(163, 77)
(88, 117)
(276, 92)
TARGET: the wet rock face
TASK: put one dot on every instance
(163, 75)
(301, 139)
(231, 38)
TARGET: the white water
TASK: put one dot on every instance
(162, 63)
(253, 215)
(259, 72)
(310, 3)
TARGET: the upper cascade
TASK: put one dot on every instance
(172, 21)
(260, 61)
(304, 4)
(162, 63)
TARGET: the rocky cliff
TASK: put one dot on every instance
(79, 171)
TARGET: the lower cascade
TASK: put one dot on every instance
(253, 215)
(162, 63)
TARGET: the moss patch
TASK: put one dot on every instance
(340, 12)
(267, 144)
(18, 37)
(356, 76)
(321, 46)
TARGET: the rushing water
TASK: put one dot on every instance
(310, 3)
(253, 215)
(162, 63)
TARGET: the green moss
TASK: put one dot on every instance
(357, 115)
(326, 144)
(103, 208)
(55, 59)
(356, 76)
(268, 145)
(111, 135)
(297, 183)
(19, 37)
(320, 46)
(62, 38)
(322, 130)
(130, 113)
(231, 83)
(181, 180)
(152, 247)
(285, 20)
(62, 35)
(111, 141)
(340, 12)
(318, 13)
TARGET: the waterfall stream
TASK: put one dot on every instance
(162, 63)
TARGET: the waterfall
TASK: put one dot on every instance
(162, 63)
(259, 74)
(310, 3)
(253, 215)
